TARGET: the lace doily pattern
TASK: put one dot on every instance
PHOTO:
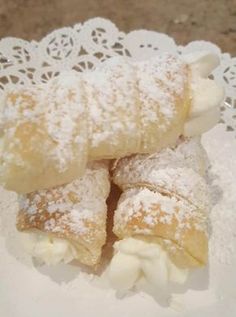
(84, 46)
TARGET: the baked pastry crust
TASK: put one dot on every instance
(76, 212)
(50, 132)
(165, 200)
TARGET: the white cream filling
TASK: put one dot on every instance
(206, 94)
(135, 260)
(201, 124)
(50, 250)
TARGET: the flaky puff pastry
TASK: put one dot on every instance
(165, 200)
(49, 132)
(75, 212)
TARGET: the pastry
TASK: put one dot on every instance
(49, 132)
(67, 222)
(161, 217)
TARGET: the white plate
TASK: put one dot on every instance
(28, 290)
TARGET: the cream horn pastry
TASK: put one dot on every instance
(49, 132)
(161, 217)
(67, 222)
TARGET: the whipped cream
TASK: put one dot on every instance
(136, 260)
(206, 94)
(48, 249)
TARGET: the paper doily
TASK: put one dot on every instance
(85, 45)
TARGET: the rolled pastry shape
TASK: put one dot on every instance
(43, 135)
(165, 205)
(67, 222)
(50, 131)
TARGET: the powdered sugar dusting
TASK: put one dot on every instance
(70, 208)
(152, 208)
(53, 108)
(160, 80)
(179, 170)
(111, 96)
(182, 181)
(155, 192)
(108, 112)
(221, 151)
